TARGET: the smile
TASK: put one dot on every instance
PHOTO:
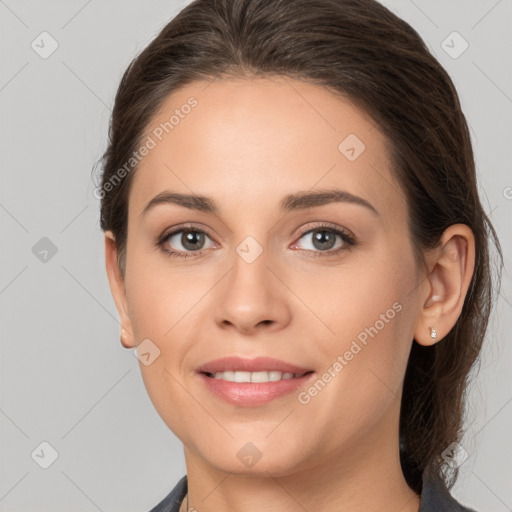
(255, 377)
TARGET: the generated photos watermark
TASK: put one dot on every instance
(151, 141)
(305, 396)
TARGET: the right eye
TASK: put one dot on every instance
(191, 240)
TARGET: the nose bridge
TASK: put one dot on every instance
(251, 295)
(249, 279)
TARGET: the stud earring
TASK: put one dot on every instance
(433, 333)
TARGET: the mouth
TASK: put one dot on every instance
(252, 382)
(255, 377)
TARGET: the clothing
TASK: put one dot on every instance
(435, 497)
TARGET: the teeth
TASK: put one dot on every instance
(271, 376)
(274, 376)
(265, 376)
(241, 377)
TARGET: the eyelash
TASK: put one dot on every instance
(348, 239)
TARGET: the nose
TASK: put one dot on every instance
(252, 298)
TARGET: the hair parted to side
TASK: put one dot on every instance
(361, 50)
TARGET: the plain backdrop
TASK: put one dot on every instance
(66, 381)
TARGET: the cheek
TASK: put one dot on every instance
(370, 316)
(364, 302)
(372, 339)
(160, 299)
(363, 373)
(163, 307)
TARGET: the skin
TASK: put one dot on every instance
(246, 145)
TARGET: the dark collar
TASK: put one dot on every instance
(172, 502)
(435, 497)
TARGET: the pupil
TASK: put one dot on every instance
(324, 238)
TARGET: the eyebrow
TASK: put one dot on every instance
(291, 202)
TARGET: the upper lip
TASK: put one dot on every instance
(250, 365)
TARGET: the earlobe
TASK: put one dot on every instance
(446, 286)
(117, 288)
(126, 339)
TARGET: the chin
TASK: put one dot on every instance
(247, 458)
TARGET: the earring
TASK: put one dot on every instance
(433, 333)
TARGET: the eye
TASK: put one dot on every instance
(188, 241)
(191, 240)
(322, 239)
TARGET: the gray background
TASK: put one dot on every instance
(65, 378)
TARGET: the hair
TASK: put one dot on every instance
(362, 51)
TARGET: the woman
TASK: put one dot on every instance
(297, 251)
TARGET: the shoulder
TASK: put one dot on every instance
(172, 502)
(435, 496)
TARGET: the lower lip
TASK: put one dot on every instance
(247, 394)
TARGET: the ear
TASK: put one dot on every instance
(117, 287)
(451, 267)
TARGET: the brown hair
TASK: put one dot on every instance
(359, 49)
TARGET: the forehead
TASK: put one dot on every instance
(259, 139)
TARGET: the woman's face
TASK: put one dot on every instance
(271, 276)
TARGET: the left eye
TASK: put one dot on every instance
(324, 239)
